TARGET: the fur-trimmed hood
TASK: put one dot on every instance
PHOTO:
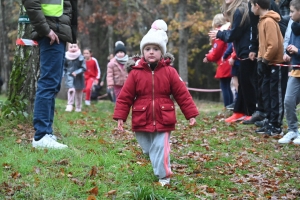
(168, 59)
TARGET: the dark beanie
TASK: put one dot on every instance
(119, 46)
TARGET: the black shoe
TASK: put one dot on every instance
(256, 116)
(261, 123)
(230, 106)
(262, 130)
(273, 131)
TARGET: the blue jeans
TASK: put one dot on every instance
(226, 91)
(48, 85)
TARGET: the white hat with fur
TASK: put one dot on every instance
(156, 35)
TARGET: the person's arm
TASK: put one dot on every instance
(228, 51)
(287, 35)
(216, 52)
(82, 67)
(253, 37)
(97, 68)
(110, 75)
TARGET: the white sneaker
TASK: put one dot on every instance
(88, 103)
(53, 137)
(164, 181)
(289, 137)
(69, 108)
(297, 140)
(47, 142)
(77, 110)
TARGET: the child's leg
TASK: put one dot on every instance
(292, 99)
(226, 91)
(235, 83)
(88, 88)
(71, 94)
(78, 99)
(158, 146)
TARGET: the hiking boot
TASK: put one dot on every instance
(288, 137)
(47, 142)
(261, 123)
(235, 117)
(230, 106)
(256, 116)
(164, 181)
(297, 140)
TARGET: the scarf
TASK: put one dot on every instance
(73, 56)
(122, 60)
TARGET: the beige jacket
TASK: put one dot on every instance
(116, 75)
(270, 39)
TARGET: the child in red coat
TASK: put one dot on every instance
(223, 71)
(147, 90)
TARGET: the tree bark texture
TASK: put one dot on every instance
(25, 70)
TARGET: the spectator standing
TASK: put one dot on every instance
(292, 96)
(44, 17)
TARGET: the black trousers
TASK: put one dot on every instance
(246, 100)
(273, 91)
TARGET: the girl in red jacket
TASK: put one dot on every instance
(91, 75)
(223, 71)
(147, 90)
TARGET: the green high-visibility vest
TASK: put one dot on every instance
(52, 8)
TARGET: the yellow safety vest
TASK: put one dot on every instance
(52, 8)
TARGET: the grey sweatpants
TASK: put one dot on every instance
(157, 146)
(291, 100)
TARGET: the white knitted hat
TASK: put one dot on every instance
(156, 35)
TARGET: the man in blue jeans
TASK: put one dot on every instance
(54, 23)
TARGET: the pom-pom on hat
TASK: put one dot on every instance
(119, 46)
(156, 35)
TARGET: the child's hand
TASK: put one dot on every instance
(74, 74)
(231, 61)
(213, 34)
(96, 82)
(205, 60)
(101, 83)
(192, 121)
(120, 124)
(252, 55)
(292, 49)
(286, 58)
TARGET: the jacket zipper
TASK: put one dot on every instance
(153, 110)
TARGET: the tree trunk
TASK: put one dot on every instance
(183, 42)
(25, 71)
(4, 51)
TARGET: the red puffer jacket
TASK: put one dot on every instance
(215, 55)
(148, 92)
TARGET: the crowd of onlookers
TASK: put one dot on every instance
(256, 43)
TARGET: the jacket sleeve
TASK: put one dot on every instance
(253, 39)
(236, 31)
(110, 75)
(125, 99)
(36, 16)
(216, 52)
(182, 96)
(228, 51)
(97, 68)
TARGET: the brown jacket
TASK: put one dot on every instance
(270, 39)
(116, 75)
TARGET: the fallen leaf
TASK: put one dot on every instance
(93, 191)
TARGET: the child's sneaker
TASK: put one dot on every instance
(164, 181)
(235, 117)
(230, 106)
(87, 102)
(297, 140)
(77, 110)
(273, 131)
(261, 123)
(69, 108)
(288, 137)
(47, 142)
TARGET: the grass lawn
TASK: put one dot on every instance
(212, 160)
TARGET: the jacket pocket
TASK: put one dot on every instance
(168, 114)
(139, 115)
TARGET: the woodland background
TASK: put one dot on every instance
(102, 23)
